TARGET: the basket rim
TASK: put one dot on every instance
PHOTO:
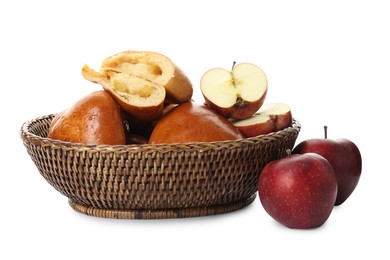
(27, 136)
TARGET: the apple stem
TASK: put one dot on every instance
(233, 80)
(288, 151)
(326, 131)
(234, 64)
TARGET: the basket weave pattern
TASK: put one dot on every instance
(154, 181)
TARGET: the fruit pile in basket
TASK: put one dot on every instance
(147, 99)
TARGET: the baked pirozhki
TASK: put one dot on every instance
(154, 67)
(146, 65)
(139, 97)
(191, 122)
(94, 119)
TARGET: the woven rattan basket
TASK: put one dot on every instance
(155, 181)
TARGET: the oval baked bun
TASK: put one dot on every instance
(190, 122)
(94, 119)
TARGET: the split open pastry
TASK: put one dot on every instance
(142, 82)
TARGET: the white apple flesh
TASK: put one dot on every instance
(236, 94)
(270, 118)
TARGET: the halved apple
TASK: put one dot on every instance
(238, 93)
(270, 118)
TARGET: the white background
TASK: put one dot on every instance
(329, 60)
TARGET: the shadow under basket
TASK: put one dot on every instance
(155, 181)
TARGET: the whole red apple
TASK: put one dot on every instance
(345, 158)
(298, 191)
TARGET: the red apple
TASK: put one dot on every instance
(270, 118)
(345, 158)
(298, 191)
(238, 93)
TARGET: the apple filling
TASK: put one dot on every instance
(149, 71)
(150, 66)
(133, 89)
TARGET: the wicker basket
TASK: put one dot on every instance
(154, 181)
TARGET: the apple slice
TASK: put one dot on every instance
(236, 94)
(270, 118)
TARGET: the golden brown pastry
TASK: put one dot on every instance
(142, 82)
(94, 119)
(154, 67)
(190, 122)
(137, 96)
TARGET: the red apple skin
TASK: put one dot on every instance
(298, 191)
(273, 124)
(240, 110)
(258, 129)
(345, 158)
(282, 121)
